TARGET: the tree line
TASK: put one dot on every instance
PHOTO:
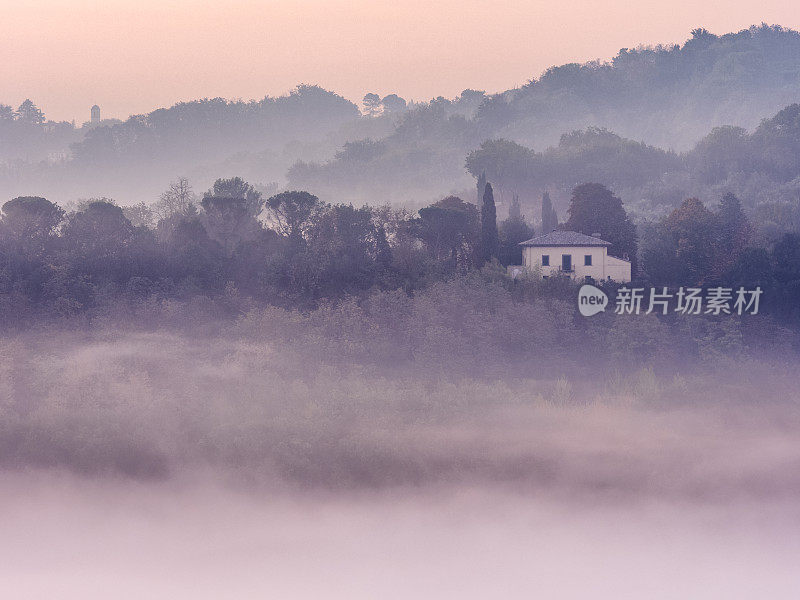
(409, 152)
(632, 123)
(294, 250)
(290, 249)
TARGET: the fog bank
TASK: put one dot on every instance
(74, 539)
(159, 465)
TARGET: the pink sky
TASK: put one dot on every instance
(130, 56)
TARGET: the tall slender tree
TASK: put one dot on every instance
(481, 187)
(515, 209)
(513, 231)
(490, 239)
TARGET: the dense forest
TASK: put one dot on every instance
(257, 137)
(306, 346)
(386, 284)
(666, 98)
(447, 190)
(760, 167)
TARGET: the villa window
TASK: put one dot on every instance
(545, 260)
(587, 260)
(566, 262)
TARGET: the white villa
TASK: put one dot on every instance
(575, 254)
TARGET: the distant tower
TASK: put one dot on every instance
(95, 114)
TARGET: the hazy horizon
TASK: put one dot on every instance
(133, 58)
(166, 465)
(294, 348)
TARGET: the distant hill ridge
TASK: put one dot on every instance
(669, 97)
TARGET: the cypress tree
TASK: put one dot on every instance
(513, 231)
(481, 187)
(549, 216)
(515, 210)
(490, 239)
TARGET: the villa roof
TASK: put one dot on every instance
(565, 238)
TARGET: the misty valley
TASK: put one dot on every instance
(174, 461)
(542, 342)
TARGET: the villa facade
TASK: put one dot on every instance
(577, 255)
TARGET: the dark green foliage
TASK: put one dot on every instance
(549, 216)
(30, 222)
(342, 252)
(292, 214)
(490, 240)
(660, 262)
(509, 165)
(96, 241)
(238, 189)
(393, 103)
(30, 114)
(229, 221)
(192, 257)
(515, 208)
(481, 185)
(734, 232)
(513, 231)
(722, 154)
(786, 258)
(692, 227)
(752, 267)
(777, 144)
(372, 104)
(594, 209)
(450, 231)
(27, 240)
(695, 246)
(786, 268)
(307, 254)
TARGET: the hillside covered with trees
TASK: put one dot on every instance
(650, 106)
(724, 212)
(367, 278)
(664, 99)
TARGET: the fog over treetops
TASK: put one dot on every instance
(274, 348)
(666, 96)
(193, 466)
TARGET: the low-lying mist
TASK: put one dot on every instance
(83, 540)
(159, 405)
(169, 465)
